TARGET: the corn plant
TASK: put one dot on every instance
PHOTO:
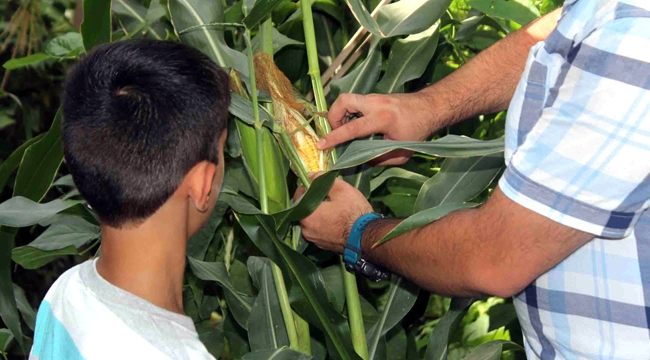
(276, 296)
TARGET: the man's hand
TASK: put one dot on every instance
(404, 117)
(329, 226)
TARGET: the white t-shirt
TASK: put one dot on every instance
(84, 316)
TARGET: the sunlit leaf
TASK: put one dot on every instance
(519, 11)
(407, 17)
(25, 61)
(360, 152)
(459, 180)
(408, 59)
(362, 79)
(279, 41)
(424, 217)
(69, 44)
(492, 350)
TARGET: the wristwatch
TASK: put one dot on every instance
(352, 253)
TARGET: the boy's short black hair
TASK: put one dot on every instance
(137, 116)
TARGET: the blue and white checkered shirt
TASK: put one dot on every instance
(578, 152)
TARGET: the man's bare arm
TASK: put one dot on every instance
(484, 85)
(497, 249)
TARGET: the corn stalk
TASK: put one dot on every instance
(350, 281)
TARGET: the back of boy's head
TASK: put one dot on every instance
(137, 116)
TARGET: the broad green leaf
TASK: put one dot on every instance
(266, 328)
(395, 172)
(331, 7)
(279, 41)
(69, 44)
(363, 78)
(306, 286)
(459, 180)
(361, 13)
(25, 61)
(259, 12)
(65, 180)
(198, 244)
(8, 307)
(333, 278)
(5, 339)
(360, 152)
(242, 109)
(26, 310)
(240, 304)
(424, 217)
(62, 238)
(40, 164)
(6, 121)
(96, 25)
(20, 212)
(407, 17)
(141, 17)
(408, 59)
(492, 350)
(278, 354)
(400, 300)
(519, 11)
(192, 19)
(11, 163)
(444, 330)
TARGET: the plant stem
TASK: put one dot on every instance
(280, 286)
(351, 290)
(314, 69)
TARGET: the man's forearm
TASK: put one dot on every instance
(497, 249)
(487, 83)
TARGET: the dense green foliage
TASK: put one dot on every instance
(254, 287)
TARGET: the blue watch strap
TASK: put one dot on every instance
(352, 252)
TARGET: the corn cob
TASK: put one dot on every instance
(289, 114)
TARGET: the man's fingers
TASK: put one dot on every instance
(344, 105)
(342, 191)
(360, 127)
(313, 175)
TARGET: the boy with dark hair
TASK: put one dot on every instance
(144, 125)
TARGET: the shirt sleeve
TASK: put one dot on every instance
(585, 162)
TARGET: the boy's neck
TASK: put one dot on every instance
(148, 260)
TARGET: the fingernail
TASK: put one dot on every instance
(321, 144)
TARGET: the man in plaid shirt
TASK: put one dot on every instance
(567, 231)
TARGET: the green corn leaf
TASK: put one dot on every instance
(96, 25)
(360, 152)
(259, 12)
(266, 328)
(20, 212)
(363, 78)
(407, 17)
(40, 164)
(423, 218)
(279, 41)
(192, 19)
(198, 244)
(5, 339)
(408, 59)
(395, 172)
(444, 330)
(278, 354)
(8, 307)
(240, 304)
(400, 300)
(306, 286)
(492, 350)
(134, 16)
(62, 238)
(66, 45)
(519, 11)
(26, 310)
(25, 61)
(459, 180)
(361, 13)
(11, 163)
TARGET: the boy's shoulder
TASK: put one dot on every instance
(84, 316)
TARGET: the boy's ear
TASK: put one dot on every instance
(200, 180)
